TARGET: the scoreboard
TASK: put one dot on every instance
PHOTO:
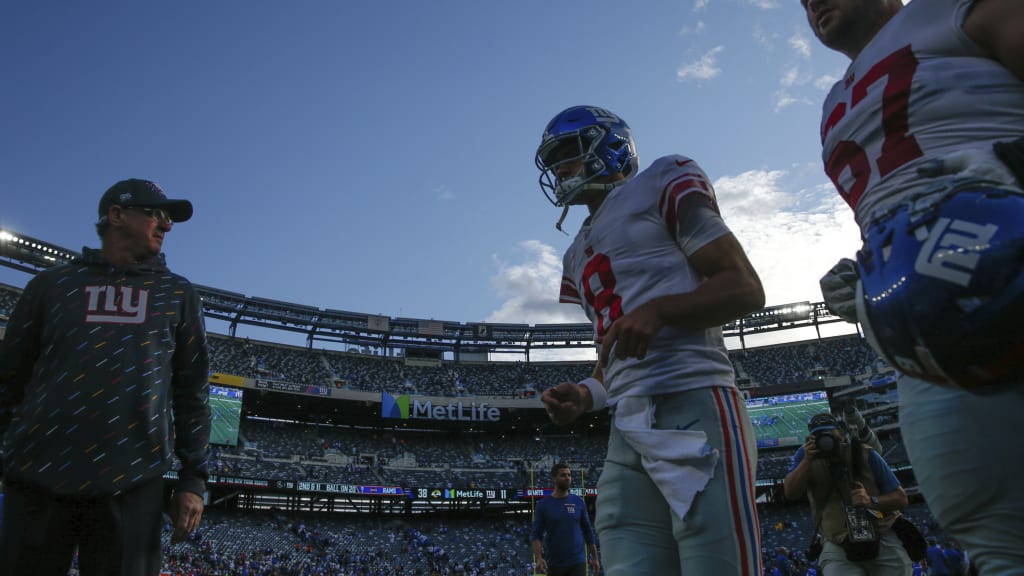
(416, 493)
(420, 493)
(497, 494)
(538, 493)
(332, 488)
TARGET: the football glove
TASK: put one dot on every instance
(839, 287)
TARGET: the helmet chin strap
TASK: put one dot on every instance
(591, 187)
(558, 225)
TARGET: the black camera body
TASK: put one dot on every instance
(820, 427)
(825, 443)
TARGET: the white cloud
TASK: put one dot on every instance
(783, 100)
(792, 238)
(764, 38)
(444, 194)
(825, 82)
(697, 28)
(800, 44)
(530, 288)
(790, 77)
(699, 5)
(704, 68)
(765, 4)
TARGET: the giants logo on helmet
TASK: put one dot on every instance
(952, 249)
(602, 115)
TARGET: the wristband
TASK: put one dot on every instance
(597, 393)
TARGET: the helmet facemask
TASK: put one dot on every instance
(582, 147)
(575, 150)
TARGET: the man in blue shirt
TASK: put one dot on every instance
(938, 564)
(842, 477)
(955, 558)
(782, 562)
(561, 522)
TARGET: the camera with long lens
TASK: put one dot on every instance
(859, 428)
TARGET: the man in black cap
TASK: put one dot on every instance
(855, 499)
(97, 356)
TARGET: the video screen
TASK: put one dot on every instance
(781, 421)
(226, 413)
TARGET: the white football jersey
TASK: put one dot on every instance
(630, 252)
(919, 90)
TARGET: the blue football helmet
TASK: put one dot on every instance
(942, 288)
(597, 138)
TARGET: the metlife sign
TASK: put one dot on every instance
(404, 407)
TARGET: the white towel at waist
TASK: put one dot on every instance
(680, 462)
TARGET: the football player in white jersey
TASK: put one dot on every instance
(658, 272)
(913, 137)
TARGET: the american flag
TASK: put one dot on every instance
(431, 328)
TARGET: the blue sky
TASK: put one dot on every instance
(378, 156)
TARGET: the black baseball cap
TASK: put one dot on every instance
(822, 422)
(146, 194)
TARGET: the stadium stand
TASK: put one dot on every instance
(255, 532)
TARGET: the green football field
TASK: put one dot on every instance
(225, 413)
(785, 424)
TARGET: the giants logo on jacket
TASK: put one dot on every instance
(116, 304)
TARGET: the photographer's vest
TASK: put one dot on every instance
(826, 491)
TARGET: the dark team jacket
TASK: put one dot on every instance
(94, 361)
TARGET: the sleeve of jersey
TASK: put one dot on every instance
(679, 177)
(192, 397)
(569, 293)
(798, 457)
(884, 477)
(18, 352)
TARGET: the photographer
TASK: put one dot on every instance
(855, 498)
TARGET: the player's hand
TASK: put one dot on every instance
(595, 565)
(839, 288)
(631, 335)
(859, 495)
(542, 567)
(564, 403)
(186, 512)
(977, 163)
